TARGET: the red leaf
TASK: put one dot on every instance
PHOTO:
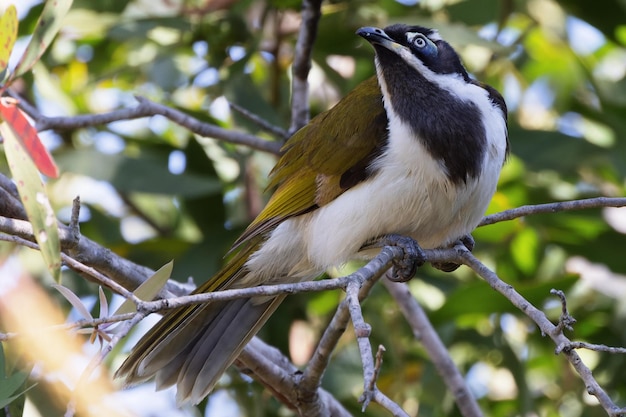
(28, 137)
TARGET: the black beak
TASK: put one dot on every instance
(377, 36)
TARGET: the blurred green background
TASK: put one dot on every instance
(153, 192)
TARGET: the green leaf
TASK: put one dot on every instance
(524, 249)
(35, 200)
(47, 27)
(480, 298)
(3, 363)
(148, 289)
(10, 385)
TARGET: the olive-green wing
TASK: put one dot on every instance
(325, 158)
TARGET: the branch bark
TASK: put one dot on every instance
(311, 13)
(147, 108)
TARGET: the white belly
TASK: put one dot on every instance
(410, 196)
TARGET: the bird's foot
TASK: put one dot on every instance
(468, 242)
(404, 268)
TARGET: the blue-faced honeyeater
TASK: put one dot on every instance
(416, 151)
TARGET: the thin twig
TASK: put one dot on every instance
(98, 359)
(566, 321)
(275, 372)
(262, 123)
(79, 267)
(592, 386)
(587, 203)
(74, 226)
(589, 346)
(320, 359)
(147, 108)
(311, 13)
(127, 273)
(79, 324)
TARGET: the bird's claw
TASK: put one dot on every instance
(405, 268)
(468, 242)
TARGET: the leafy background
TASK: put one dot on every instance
(153, 192)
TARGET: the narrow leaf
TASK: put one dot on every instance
(3, 363)
(74, 301)
(148, 289)
(6, 401)
(11, 384)
(27, 135)
(35, 201)
(104, 305)
(8, 35)
(48, 25)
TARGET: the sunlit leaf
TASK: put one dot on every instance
(35, 200)
(148, 289)
(27, 135)
(74, 300)
(8, 35)
(9, 385)
(104, 304)
(524, 248)
(48, 25)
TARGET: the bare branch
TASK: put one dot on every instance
(592, 386)
(589, 346)
(311, 13)
(147, 108)
(268, 366)
(98, 359)
(80, 324)
(583, 204)
(128, 274)
(566, 321)
(77, 266)
(321, 357)
(425, 332)
(74, 226)
(263, 124)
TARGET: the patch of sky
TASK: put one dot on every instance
(200, 48)
(236, 52)
(207, 78)
(84, 53)
(158, 124)
(177, 162)
(108, 142)
(539, 95)
(571, 124)
(583, 38)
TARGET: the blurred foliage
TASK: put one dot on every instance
(153, 192)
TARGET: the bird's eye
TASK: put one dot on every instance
(419, 42)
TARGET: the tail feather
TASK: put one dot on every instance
(196, 354)
(219, 345)
(192, 346)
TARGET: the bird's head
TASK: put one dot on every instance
(426, 89)
(419, 48)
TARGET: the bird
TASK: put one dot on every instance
(415, 151)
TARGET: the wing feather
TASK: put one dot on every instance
(325, 158)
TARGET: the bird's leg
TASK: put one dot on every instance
(405, 268)
(468, 242)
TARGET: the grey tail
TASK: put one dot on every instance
(193, 348)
